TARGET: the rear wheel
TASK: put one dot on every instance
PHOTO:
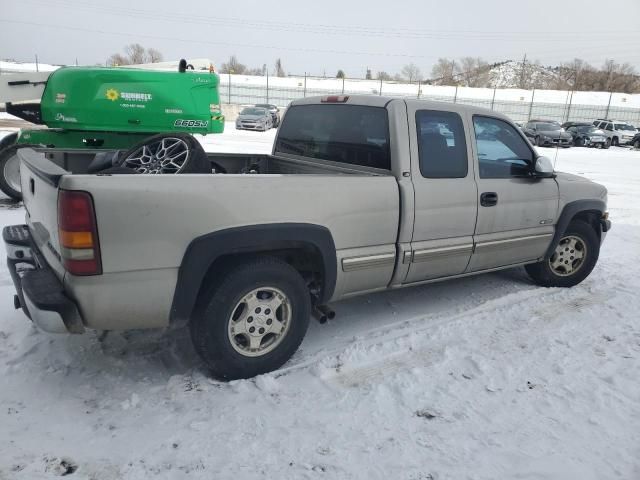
(252, 319)
(572, 260)
(615, 142)
(607, 144)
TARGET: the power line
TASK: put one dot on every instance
(350, 30)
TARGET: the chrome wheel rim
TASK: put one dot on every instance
(569, 256)
(167, 155)
(11, 172)
(259, 321)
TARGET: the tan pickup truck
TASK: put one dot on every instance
(360, 194)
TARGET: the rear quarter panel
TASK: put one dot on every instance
(146, 222)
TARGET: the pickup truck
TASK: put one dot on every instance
(360, 194)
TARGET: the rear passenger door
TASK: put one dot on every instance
(445, 194)
(516, 212)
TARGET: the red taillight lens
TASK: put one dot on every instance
(78, 232)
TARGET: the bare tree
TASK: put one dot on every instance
(473, 72)
(411, 72)
(443, 72)
(154, 56)
(135, 54)
(233, 66)
(384, 76)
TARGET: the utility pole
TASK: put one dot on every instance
(522, 72)
(37, 66)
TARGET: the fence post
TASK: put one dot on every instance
(531, 104)
(606, 115)
(493, 99)
(343, 84)
(455, 95)
(267, 87)
(569, 107)
(304, 94)
(418, 89)
(229, 90)
(380, 86)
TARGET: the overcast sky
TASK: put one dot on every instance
(326, 35)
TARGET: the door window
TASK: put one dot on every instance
(502, 152)
(441, 144)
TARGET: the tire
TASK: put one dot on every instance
(615, 142)
(579, 142)
(10, 171)
(167, 153)
(607, 143)
(636, 144)
(228, 353)
(538, 142)
(555, 272)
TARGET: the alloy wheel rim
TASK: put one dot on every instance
(259, 322)
(569, 256)
(167, 155)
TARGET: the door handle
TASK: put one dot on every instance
(489, 199)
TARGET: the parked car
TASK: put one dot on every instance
(617, 132)
(356, 197)
(273, 110)
(588, 136)
(567, 125)
(254, 118)
(547, 134)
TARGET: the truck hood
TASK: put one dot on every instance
(574, 187)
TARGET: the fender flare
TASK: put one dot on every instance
(203, 251)
(568, 212)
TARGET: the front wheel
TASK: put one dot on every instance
(252, 319)
(579, 142)
(572, 260)
(538, 142)
(636, 144)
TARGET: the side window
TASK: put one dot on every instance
(441, 144)
(502, 152)
(609, 127)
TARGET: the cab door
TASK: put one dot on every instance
(445, 195)
(516, 213)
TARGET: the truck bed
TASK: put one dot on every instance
(146, 222)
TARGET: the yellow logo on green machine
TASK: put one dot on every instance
(112, 94)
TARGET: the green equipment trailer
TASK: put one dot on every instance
(88, 110)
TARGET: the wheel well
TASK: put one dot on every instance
(592, 217)
(306, 259)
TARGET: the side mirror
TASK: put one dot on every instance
(543, 168)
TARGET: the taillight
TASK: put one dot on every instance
(78, 232)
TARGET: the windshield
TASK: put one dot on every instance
(253, 111)
(624, 126)
(548, 126)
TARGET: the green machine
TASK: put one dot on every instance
(92, 109)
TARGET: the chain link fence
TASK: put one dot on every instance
(521, 105)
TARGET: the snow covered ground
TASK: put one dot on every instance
(481, 378)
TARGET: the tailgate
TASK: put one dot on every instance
(39, 179)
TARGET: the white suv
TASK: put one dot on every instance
(617, 132)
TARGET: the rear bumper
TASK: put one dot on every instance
(40, 293)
